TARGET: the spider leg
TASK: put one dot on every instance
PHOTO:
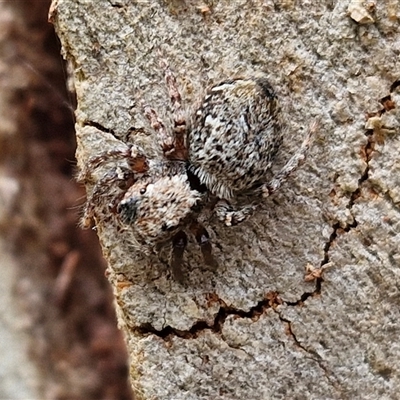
(163, 136)
(100, 191)
(180, 128)
(294, 162)
(203, 239)
(96, 161)
(179, 243)
(231, 216)
(133, 155)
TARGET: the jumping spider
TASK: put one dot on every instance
(217, 162)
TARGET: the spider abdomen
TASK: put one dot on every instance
(235, 135)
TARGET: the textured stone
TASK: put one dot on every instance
(256, 329)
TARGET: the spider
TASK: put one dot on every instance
(215, 162)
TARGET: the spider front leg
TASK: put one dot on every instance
(100, 194)
(294, 162)
(179, 243)
(180, 128)
(134, 156)
(163, 137)
(203, 239)
(173, 145)
(120, 177)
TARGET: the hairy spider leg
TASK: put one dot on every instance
(179, 132)
(163, 137)
(230, 215)
(100, 190)
(204, 241)
(124, 177)
(96, 161)
(294, 162)
(135, 158)
(179, 243)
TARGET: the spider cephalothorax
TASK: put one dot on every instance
(155, 201)
(158, 209)
(222, 154)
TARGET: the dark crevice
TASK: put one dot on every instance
(328, 244)
(269, 301)
(306, 295)
(337, 228)
(115, 4)
(367, 151)
(99, 127)
(312, 355)
(394, 86)
(315, 356)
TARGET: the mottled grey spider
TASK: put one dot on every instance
(217, 161)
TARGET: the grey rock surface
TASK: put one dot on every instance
(259, 327)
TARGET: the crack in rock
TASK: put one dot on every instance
(270, 300)
(367, 152)
(337, 228)
(312, 355)
(99, 127)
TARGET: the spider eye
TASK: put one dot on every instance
(142, 191)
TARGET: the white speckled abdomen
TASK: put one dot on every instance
(235, 135)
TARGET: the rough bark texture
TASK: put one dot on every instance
(256, 328)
